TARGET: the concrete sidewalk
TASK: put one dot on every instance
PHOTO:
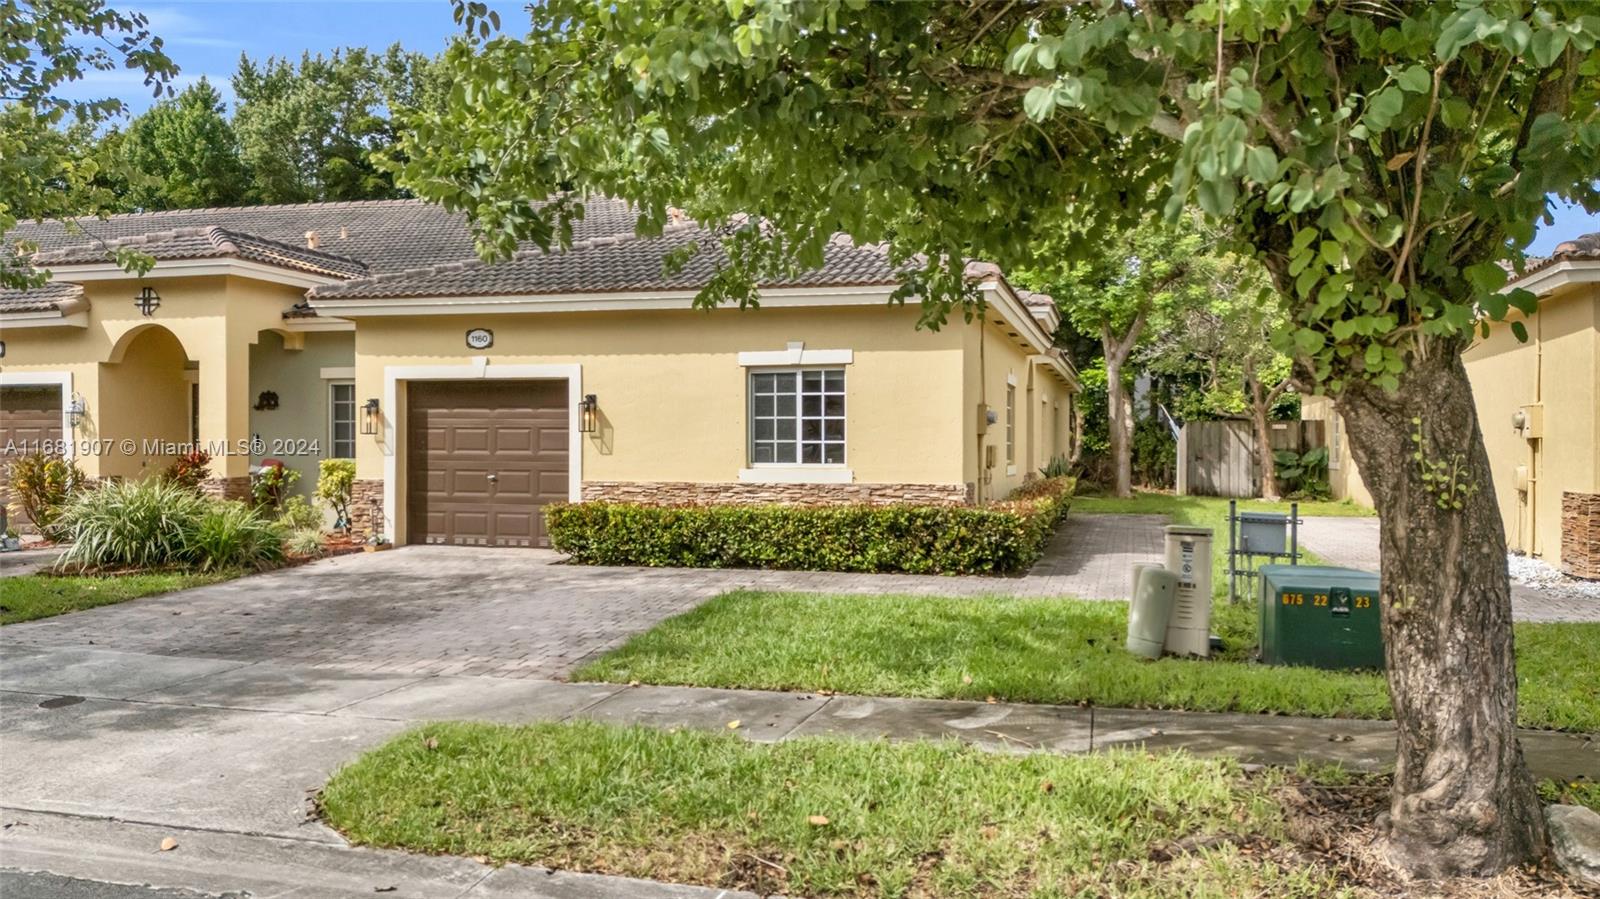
(118, 747)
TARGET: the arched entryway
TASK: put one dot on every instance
(145, 411)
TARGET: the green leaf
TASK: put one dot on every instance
(1039, 102)
(1382, 108)
(1261, 164)
(1547, 45)
(1416, 79)
(1525, 301)
(1307, 341)
(1520, 330)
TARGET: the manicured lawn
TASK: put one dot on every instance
(1041, 650)
(1208, 510)
(30, 596)
(824, 817)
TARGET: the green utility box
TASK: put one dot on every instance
(1319, 616)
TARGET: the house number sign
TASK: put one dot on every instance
(480, 339)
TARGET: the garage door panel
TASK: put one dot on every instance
(30, 419)
(464, 431)
(469, 439)
(518, 484)
(513, 439)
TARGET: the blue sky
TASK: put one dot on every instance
(206, 38)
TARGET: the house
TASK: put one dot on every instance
(1539, 407)
(472, 395)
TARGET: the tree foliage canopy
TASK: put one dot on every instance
(1380, 159)
(48, 169)
(309, 131)
(182, 153)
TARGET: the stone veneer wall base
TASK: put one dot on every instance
(227, 488)
(366, 508)
(670, 493)
(1580, 534)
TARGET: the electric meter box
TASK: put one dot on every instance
(1264, 532)
(1319, 616)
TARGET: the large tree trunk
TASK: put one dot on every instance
(1259, 407)
(1463, 800)
(1119, 414)
(1119, 406)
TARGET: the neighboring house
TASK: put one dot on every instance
(1539, 408)
(472, 395)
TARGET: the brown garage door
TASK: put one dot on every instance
(30, 417)
(483, 459)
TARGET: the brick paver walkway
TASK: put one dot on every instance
(1353, 543)
(513, 613)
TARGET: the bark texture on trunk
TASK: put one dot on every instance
(1119, 406)
(1463, 800)
(1119, 413)
(1269, 465)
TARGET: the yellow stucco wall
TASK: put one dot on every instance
(995, 361)
(214, 319)
(1556, 369)
(672, 394)
(146, 396)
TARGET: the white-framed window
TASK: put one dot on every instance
(341, 420)
(797, 416)
(1011, 424)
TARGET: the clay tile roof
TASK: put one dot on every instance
(45, 298)
(606, 264)
(207, 242)
(383, 235)
(1584, 247)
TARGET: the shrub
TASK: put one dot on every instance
(336, 480)
(304, 542)
(155, 523)
(269, 487)
(189, 469)
(132, 524)
(299, 515)
(997, 539)
(230, 534)
(42, 485)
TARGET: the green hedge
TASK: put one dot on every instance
(1003, 538)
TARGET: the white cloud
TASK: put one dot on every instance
(179, 28)
(128, 86)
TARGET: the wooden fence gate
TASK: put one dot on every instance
(1218, 458)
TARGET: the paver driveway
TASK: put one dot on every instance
(510, 613)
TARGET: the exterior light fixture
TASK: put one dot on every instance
(75, 411)
(369, 421)
(589, 411)
(147, 301)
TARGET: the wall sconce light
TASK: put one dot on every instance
(75, 411)
(369, 421)
(147, 301)
(589, 414)
(267, 400)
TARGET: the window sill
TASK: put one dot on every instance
(798, 474)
